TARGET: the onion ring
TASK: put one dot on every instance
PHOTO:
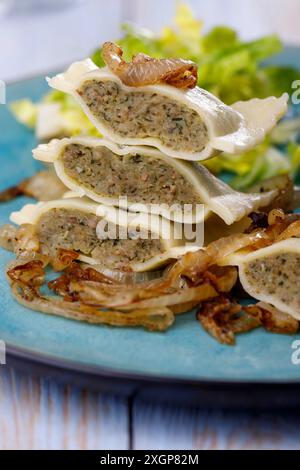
(153, 320)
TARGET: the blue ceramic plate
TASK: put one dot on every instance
(185, 353)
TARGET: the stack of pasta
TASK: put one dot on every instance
(156, 126)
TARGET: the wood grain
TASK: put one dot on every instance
(40, 414)
(188, 429)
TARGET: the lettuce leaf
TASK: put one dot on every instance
(71, 120)
(294, 154)
(25, 112)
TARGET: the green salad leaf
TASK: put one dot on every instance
(25, 111)
(294, 154)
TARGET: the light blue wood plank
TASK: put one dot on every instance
(40, 414)
(169, 428)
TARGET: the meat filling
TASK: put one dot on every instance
(142, 179)
(140, 114)
(276, 275)
(76, 230)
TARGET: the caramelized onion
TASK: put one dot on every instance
(92, 288)
(26, 241)
(274, 232)
(223, 317)
(284, 185)
(7, 237)
(291, 231)
(159, 319)
(194, 264)
(63, 259)
(222, 278)
(276, 321)
(275, 215)
(126, 300)
(43, 186)
(128, 277)
(145, 70)
(26, 279)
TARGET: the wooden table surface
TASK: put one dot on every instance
(42, 414)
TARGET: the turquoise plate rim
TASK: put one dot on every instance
(22, 354)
